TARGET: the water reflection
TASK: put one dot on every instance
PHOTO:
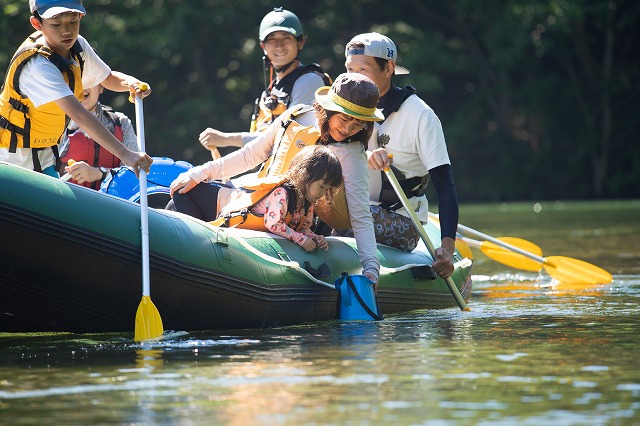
(529, 352)
(149, 359)
(519, 289)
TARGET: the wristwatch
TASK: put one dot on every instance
(104, 173)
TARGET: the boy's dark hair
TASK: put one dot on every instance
(323, 116)
(313, 163)
(37, 16)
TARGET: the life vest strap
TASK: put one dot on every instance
(15, 131)
(229, 220)
(18, 106)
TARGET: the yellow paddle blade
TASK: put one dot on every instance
(568, 270)
(511, 258)
(148, 321)
(464, 249)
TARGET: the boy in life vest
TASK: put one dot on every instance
(281, 205)
(93, 163)
(45, 84)
(281, 39)
(412, 132)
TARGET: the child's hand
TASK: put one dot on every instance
(309, 245)
(81, 172)
(140, 89)
(321, 242)
(137, 161)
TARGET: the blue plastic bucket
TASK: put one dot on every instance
(357, 298)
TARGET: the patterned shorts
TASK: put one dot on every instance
(391, 229)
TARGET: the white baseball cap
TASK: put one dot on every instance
(378, 46)
(49, 8)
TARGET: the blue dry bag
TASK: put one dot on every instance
(124, 184)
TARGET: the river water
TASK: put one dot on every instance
(528, 352)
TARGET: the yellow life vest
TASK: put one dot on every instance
(22, 125)
(289, 140)
(237, 213)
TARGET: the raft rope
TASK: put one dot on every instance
(290, 264)
(295, 265)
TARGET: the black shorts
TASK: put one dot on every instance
(201, 202)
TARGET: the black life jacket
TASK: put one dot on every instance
(277, 98)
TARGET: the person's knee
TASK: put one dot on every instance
(179, 203)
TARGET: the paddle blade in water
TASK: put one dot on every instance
(568, 270)
(511, 258)
(148, 321)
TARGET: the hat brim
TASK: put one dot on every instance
(401, 70)
(322, 97)
(274, 29)
(57, 10)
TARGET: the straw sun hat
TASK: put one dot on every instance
(353, 94)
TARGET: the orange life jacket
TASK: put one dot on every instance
(238, 212)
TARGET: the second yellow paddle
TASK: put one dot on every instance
(561, 268)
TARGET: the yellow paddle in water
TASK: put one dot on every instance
(423, 234)
(561, 268)
(148, 322)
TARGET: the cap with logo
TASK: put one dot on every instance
(376, 45)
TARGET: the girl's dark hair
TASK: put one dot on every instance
(323, 116)
(312, 163)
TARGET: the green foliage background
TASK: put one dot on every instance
(538, 99)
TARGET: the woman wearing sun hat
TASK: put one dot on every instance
(342, 116)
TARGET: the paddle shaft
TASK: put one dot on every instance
(502, 244)
(144, 206)
(423, 234)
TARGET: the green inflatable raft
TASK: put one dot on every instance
(71, 261)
